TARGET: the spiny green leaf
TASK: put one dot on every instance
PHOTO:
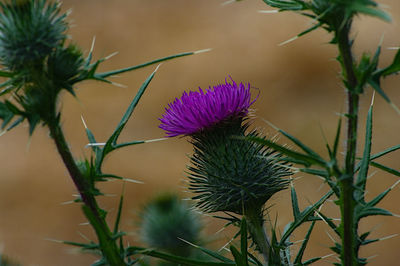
(286, 5)
(240, 260)
(307, 160)
(111, 142)
(364, 9)
(243, 237)
(362, 212)
(300, 253)
(6, 74)
(92, 140)
(118, 218)
(317, 172)
(82, 245)
(331, 224)
(175, 259)
(363, 173)
(337, 139)
(378, 198)
(254, 260)
(130, 143)
(119, 71)
(301, 145)
(385, 168)
(295, 203)
(375, 84)
(392, 68)
(310, 261)
(304, 216)
(384, 152)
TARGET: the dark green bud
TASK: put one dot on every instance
(63, 65)
(165, 221)
(229, 173)
(29, 32)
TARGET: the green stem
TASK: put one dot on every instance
(255, 223)
(348, 252)
(91, 209)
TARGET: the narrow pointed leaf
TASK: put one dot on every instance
(6, 74)
(243, 237)
(295, 203)
(125, 144)
(331, 224)
(285, 5)
(300, 253)
(118, 218)
(304, 216)
(364, 9)
(378, 198)
(82, 245)
(370, 211)
(317, 172)
(310, 261)
(119, 71)
(377, 87)
(215, 255)
(240, 260)
(307, 159)
(394, 67)
(385, 168)
(109, 146)
(337, 139)
(254, 260)
(363, 173)
(15, 123)
(92, 139)
(382, 153)
(302, 146)
(174, 258)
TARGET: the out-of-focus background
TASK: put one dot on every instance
(300, 92)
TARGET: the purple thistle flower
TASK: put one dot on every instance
(198, 110)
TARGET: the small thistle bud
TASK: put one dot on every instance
(165, 221)
(228, 173)
(29, 32)
(63, 65)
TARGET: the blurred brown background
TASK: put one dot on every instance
(300, 89)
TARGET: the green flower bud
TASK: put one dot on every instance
(29, 32)
(229, 173)
(63, 65)
(165, 221)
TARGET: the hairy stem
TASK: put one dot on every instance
(348, 226)
(91, 209)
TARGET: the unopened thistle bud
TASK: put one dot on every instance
(29, 31)
(166, 222)
(227, 172)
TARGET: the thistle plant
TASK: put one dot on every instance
(227, 173)
(234, 169)
(39, 64)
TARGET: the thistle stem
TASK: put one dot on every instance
(91, 209)
(255, 222)
(346, 182)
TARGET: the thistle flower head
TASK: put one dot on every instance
(198, 110)
(227, 172)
